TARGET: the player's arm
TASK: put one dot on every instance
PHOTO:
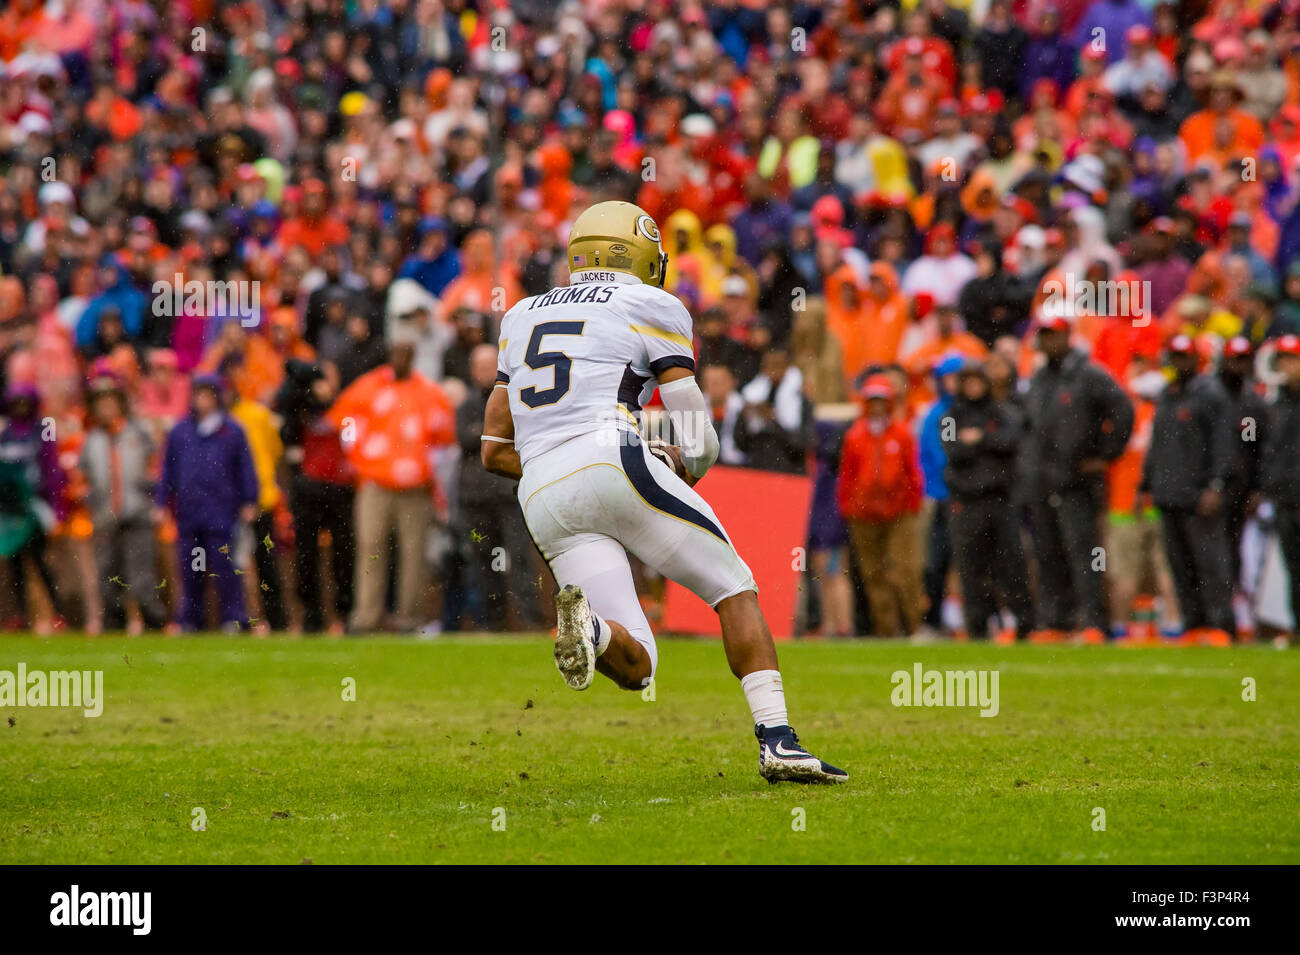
(689, 413)
(498, 440)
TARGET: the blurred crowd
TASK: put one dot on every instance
(1016, 283)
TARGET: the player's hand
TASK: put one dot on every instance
(970, 435)
(248, 513)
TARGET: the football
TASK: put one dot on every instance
(669, 454)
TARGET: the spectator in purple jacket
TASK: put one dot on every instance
(1104, 25)
(1049, 55)
(209, 484)
(765, 219)
(1164, 268)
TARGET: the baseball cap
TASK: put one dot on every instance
(1056, 316)
(1288, 345)
(735, 285)
(1138, 33)
(208, 380)
(877, 386)
(698, 124)
(949, 364)
(1238, 346)
(56, 191)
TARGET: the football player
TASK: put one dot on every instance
(576, 363)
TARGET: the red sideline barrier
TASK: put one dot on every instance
(766, 517)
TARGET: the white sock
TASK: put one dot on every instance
(603, 633)
(766, 697)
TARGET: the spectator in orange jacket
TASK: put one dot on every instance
(934, 335)
(476, 286)
(911, 95)
(879, 493)
(556, 188)
(843, 295)
(316, 228)
(869, 324)
(253, 365)
(390, 420)
(1198, 131)
(884, 316)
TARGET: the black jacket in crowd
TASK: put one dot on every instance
(1247, 413)
(363, 356)
(1280, 469)
(478, 487)
(768, 446)
(729, 352)
(989, 465)
(1191, 443)
(295, 402)
(1076, 410)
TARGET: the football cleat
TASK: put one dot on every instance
(781, 757)
(575, 638)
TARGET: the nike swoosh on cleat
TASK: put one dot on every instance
(780, 750)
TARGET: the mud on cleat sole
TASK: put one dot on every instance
(575, 657)
(801, 774)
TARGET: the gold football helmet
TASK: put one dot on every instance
(618, 236)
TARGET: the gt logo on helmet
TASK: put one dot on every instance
(646, 226)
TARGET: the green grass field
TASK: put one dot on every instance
(446, 736)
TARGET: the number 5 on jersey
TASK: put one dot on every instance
(559, 362)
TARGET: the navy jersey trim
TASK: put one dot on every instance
(629, 389)
(654, 494)
(661, 365)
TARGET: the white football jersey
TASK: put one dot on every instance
(585, 356)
